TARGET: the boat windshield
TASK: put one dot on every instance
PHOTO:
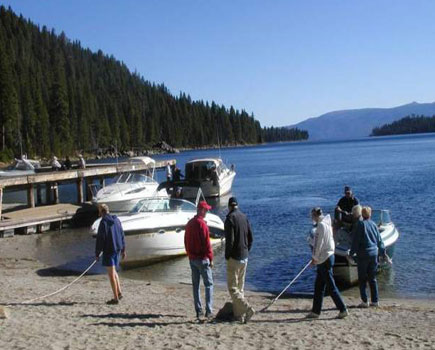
(132, 178)
(381, 217)
(151, 205)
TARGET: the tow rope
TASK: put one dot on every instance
(61, 289)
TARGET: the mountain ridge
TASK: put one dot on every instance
(358, 123)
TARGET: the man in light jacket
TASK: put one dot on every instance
(323, 258)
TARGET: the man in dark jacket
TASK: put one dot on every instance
(238, 243)
(343, 211)
(110, 242)
(200, 253)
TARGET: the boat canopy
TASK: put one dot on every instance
(25, 164)
(145, 160)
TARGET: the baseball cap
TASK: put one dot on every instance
(347, 189)
(204, 205)
(232, 202)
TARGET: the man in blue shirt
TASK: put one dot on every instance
(110, 242)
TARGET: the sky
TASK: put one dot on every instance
(283, 61)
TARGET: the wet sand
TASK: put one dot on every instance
(160, 315)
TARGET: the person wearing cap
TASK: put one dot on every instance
(238, 243)
(110, 242)
(343, 211)
(200, 253)
(323, 258)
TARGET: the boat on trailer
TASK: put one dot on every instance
(345, 268)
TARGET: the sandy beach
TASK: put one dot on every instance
(156, 315)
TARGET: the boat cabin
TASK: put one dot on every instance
(204, 169)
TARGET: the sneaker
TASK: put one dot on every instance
(199, 314)
(249, 314)
(112, 302)
(209, 315)
(312, 315)
(120, 296)
(364, 305)
(376, 304)
(343, 314)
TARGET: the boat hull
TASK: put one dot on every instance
(147, 249)
(346, 273)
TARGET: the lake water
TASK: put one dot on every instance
(276, 186)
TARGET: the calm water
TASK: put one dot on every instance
(276, 186)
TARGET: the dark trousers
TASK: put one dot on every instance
(325, 280)
(367, 267)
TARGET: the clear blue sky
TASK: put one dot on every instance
(284, 61)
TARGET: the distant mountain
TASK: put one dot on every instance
(357, 123)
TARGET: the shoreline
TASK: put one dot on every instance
(160, 315)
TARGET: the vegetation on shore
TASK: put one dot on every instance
(57, 97)
(412, 124)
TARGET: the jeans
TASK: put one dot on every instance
(325, 279)
(202, 268)
(236, 272)
(367, 267)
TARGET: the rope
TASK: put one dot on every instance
(62, 289)
(287, 287)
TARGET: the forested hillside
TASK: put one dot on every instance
(58, 97)
(408, 125)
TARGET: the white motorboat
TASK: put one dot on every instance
(345, 269)
(128, 188)
(154, 230)
(211, 174)
(21, 167)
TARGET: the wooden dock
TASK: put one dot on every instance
(38, 218)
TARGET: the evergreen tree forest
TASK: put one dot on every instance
(408, 125)
(57, 97)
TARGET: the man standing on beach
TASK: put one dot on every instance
(200, 253)
(111, 242)
(238, 243)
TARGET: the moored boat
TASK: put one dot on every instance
(210, 174)
(128, 188)
(21, 167)
(345, 268)
(154, 230)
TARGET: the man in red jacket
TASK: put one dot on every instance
(200, 253)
